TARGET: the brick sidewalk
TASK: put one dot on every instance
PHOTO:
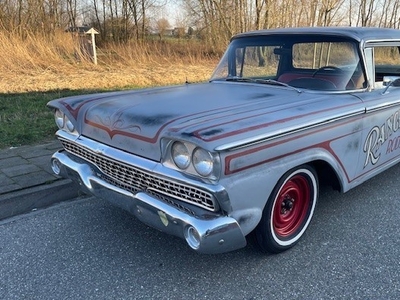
(27, 181)
(26, 166)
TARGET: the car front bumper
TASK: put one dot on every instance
(206, 235)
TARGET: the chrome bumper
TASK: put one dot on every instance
(211, 235)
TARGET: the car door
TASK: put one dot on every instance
(380, 147)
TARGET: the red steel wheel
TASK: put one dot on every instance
(289, 210)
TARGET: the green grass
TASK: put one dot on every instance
(25, 119)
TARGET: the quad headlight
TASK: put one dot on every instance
(191, 159)
(69, 125)
(59, 118)
(180, 155)
(63, 122)
(203, 162)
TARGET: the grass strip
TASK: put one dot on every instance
(25, 119)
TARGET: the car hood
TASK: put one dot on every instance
(213, 115)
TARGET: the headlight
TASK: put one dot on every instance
(59, 118)
(69, 125)
(203, 162)
(63, 122)
(180, 155)
(191, 159)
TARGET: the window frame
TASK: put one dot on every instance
(370, 57)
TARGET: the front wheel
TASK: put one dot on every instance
(289, 210)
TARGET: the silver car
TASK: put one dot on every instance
(285, 111)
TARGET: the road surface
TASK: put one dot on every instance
(88, 249)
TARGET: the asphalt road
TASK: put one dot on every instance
(88, 249)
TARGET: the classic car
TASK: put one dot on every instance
(285, 111)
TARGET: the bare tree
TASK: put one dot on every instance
(162, 25)
(365, 13)
(214, 21)
(389, 14)
(72, 12)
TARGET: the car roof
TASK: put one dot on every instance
(360, 34)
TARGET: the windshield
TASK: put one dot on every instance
(295, 60)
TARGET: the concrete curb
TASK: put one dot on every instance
(26, 200)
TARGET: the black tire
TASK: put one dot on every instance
(288, 211)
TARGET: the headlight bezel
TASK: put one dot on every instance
(168, 160)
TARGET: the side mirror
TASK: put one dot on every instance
(391, 81)
(396, 82)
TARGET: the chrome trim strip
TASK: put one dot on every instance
(382, 106)
(278, 134)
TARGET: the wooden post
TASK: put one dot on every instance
(92, 32)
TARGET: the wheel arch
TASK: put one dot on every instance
(329, 170)
(267, 176)
(327, 175)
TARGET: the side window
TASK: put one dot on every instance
(387, 63)
(317, 55)
(338, 62)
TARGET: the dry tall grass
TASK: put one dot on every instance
(39, 63)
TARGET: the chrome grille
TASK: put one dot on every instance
(134, 179)
(155, 194)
